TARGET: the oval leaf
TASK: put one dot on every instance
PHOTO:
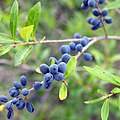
(105, 110)
(63, 92)
(26, 32)
(113, 5)
(34, 17)
(13, 18)
(95, 100)
(71, 66)
(5, 50)
(115, 90)
(2, 107)
(104, 75)
(21, 55)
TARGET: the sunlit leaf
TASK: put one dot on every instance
(101, 92)
(105, 110)
(5, 50)
(2, 107)
(115, 90)
(38, 70)
(63, 92)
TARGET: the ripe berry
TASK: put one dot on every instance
(62, 67)
(17, 85)
(48, 77)
(53, 68)
(94, 27)
(79, 47)
(91, 3)
(25, 91)
(108, 20)
(101, 1)
(37, 85)
(77, 35)
(59, 61)
(64, 49)
(14, 100)
(30, 107)
(44, 68)
(94, 21)
(84, 41)
(59, 76)
(14, 92)
(47, 85)
(9, 105)
(95, 12)
(66, 57)
(23, 80)
(10, 114)
(3, 98)
(84, 7)
(87, 57)
(72, 46)
(104, 12)
(20, 104)
(55, 60)
(89, 20)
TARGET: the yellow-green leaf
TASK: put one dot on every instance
(38, 70)
(63, 92)
(26, 32)
(115, 90)
(2, 107)
(4, 50)
(105, 110)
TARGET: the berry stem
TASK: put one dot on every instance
(101, 18)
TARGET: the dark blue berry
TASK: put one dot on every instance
(104, 12)
(53, 68)
(91, 3)
(30, 107)
(48, 77)
(59, 61)
(25, 91)
(66, 57)
(37, 85)
(62, 67)
(108, 20)
(95, 12)
(94, 27)
(20, 104)
(64, 49)
(9, 105)
(72, 46)
(59, 76)
(101, 1)
(79, 47)
(14, 100)
(84, 6)
(55, 60)
(10, 114)
(23, 80)
(3, 98)
(89, 20)
(14, 92)
(84, 41)
(77, 35)
(44, 68)
(47, 85)
(17, 85)
(94, 21)
(87, 57)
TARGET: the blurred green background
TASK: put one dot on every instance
(60, 19)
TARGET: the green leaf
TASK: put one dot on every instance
(0, 17)
(63, 92)
(113, 5)
(34, 17)
(6, 39)
(104, 75)
(115, 90)
(71, 66)
(5, 50)
(96, 100)
(13, 18)
(101, 92)
(105, 110)
(26, 32)
(21, 55)
(118, 102)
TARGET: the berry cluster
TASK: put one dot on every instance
(77, 46)
(101, 15)
(20, 101)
